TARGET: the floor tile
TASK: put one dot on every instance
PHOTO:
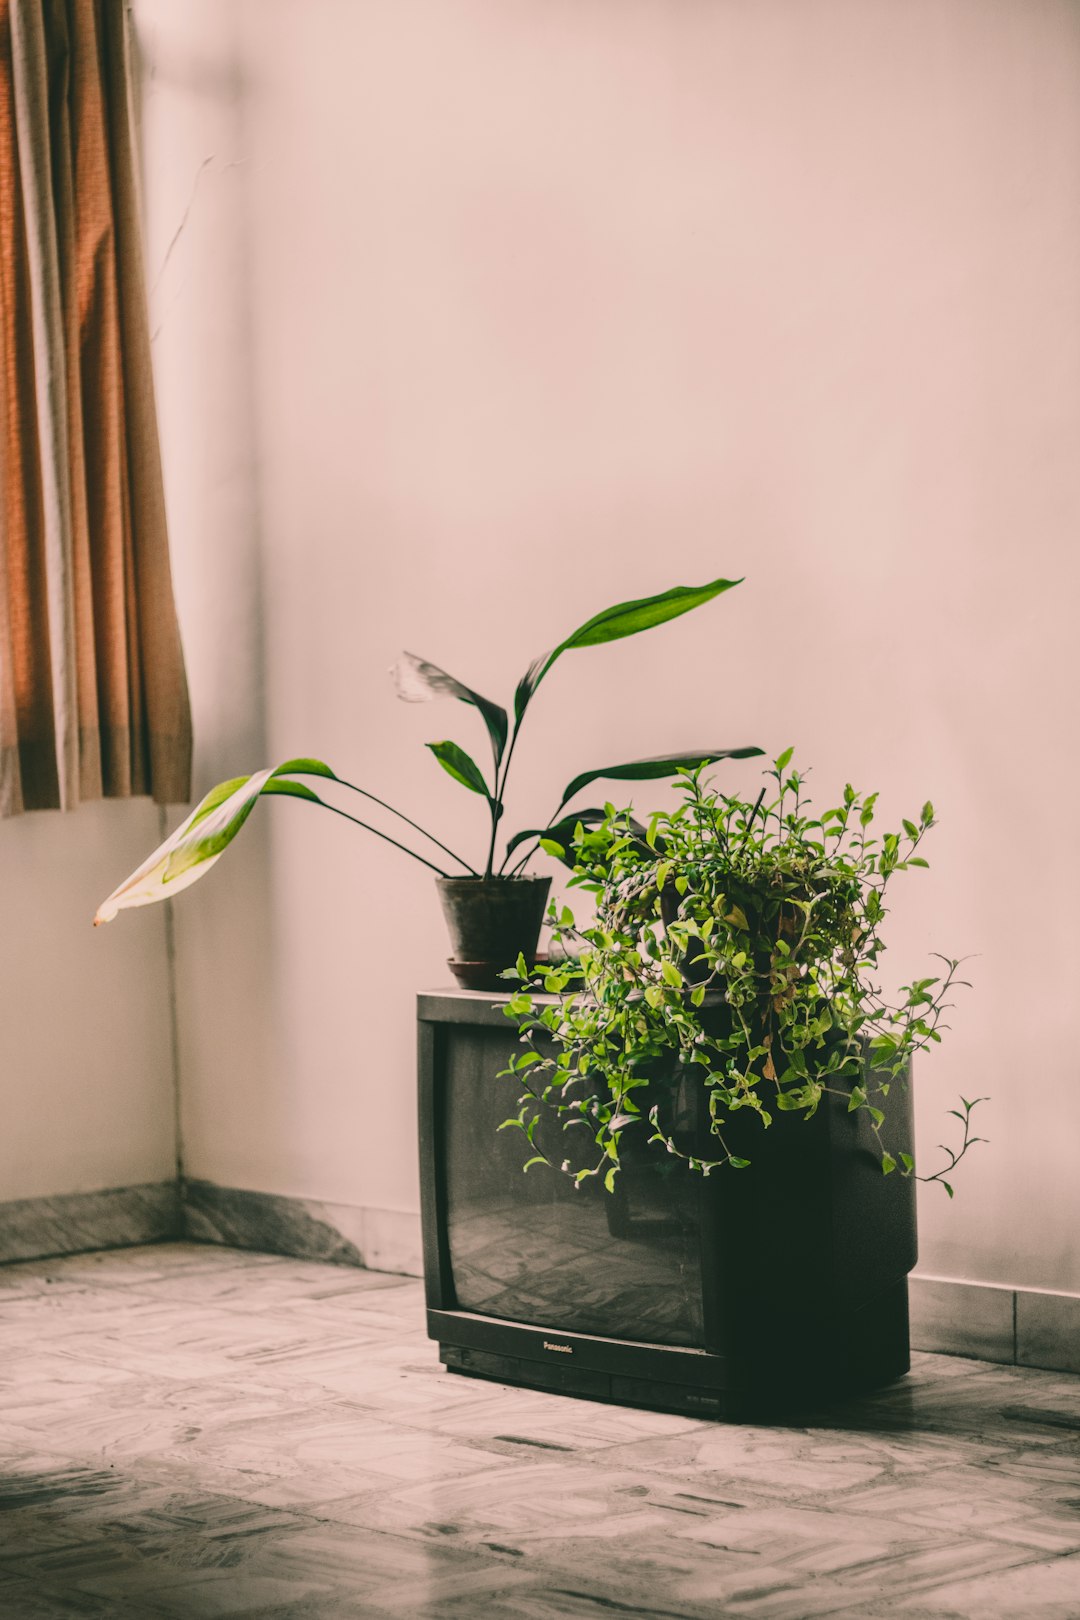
(1047, 1590)
(192, 1432)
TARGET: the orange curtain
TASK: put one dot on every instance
(93, 696)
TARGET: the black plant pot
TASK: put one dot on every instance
(491, 921)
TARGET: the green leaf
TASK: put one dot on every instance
(200, 840)
(305, 767)
(644, 613)
(293, 790)
(217, 795)
(528, 683)
(927, 814)
(671, 975)
(738, 1164)
(457, 763)
(785, 759)
(562, 831)
(650, 770)
(417, 681)
(609, 1179)
(537, 1158)
(215, 830)
(613, 623)
(550, 847)
(888, 1164)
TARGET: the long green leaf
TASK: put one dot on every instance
(644, 770)
(205, 842)
(458, 764)
(216, 796)
(202, 838)
(528, 684)
(306, 767)
(613, 623)
(417, 681)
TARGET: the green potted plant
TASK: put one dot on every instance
(736, 948)
(494, 908)
(714, 1114)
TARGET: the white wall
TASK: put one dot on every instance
(86, 1065)
(484, 313)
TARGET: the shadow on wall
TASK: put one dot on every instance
(201, 276)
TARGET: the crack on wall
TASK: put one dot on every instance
(185, 216)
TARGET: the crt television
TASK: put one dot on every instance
(729, 1295)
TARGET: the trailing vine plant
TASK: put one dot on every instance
(736, 941)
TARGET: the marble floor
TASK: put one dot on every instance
(197, 1432)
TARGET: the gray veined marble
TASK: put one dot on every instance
(305, 1228)
(193, 1431)
(30, 1227)
(203, 1212)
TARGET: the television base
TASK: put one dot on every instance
(653, 1393)
(853, 1354)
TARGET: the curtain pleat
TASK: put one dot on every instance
(93, 697)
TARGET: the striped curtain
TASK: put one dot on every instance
(93, 696)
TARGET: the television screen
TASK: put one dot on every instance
(529, 1247)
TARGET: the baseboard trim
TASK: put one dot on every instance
(1025, 1327)
(203, 1212)
(1022, 1327)
(70, 1223)
(305, 1228)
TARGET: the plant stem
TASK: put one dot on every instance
(408, 821)
(385, 836)
(496, 801)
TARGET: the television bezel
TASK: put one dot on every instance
(684, 1375)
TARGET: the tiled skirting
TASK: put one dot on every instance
(1021, 1326)
(381, 1239)
(33, 1227)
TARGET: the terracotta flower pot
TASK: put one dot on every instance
(490, 921)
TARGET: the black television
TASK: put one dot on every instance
(737, 1294)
